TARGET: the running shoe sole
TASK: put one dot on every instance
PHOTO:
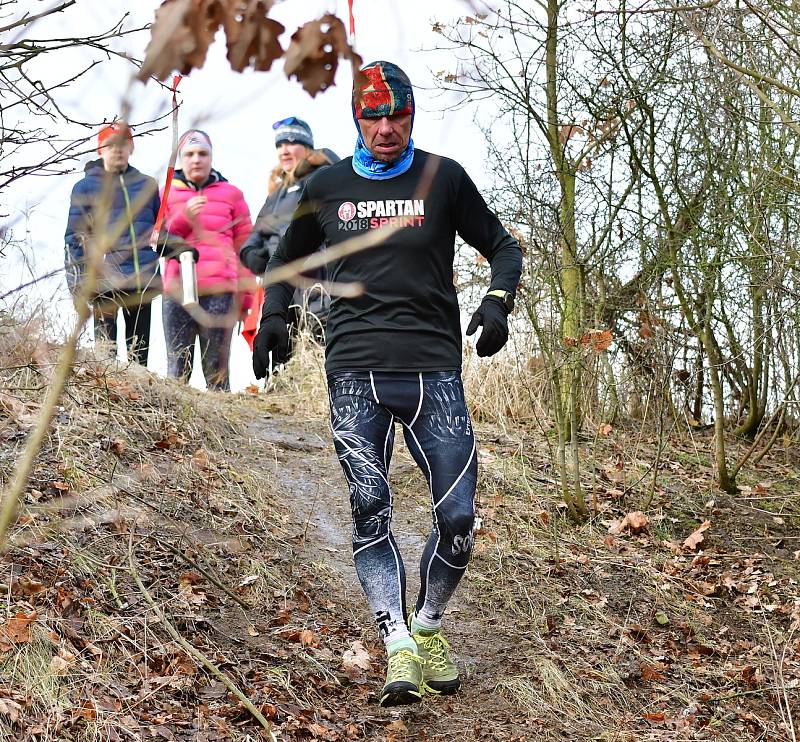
(400, 693)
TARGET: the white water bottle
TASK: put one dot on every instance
(188, 278)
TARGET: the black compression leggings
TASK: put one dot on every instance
(438, 432)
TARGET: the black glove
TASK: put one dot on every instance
(178, 249)
(492, 315)
(272, 336)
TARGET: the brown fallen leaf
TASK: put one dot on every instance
(26, 586)
(356, 659)
(18, 628)
(321, 732)
(308, 639)
(62, 662)
(638, 633)
(651, 673)
(87, 710)
(10, 709)
(695, 537)
(200, 459)
(17, 410)
(634, 522)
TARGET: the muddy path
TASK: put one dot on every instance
(307, 471)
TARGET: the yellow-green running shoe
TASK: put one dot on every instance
(438, 671)
(404, 682)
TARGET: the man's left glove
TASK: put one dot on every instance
(272, 336)
(492, 314)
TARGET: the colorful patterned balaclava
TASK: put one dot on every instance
(385, 90)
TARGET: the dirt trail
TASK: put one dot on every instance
(233, 511)
(308, 471)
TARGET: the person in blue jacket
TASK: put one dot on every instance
(116, 206)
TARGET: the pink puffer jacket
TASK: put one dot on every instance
(224, 225)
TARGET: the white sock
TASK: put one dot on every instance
(418, 624)
(396, 645)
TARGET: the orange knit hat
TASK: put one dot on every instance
(116, 129)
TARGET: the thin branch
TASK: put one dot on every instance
(26, 19)
(206, 573)
(192, 650)
(641, 10)
(714, 51)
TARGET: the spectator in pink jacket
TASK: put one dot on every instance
(208, 213)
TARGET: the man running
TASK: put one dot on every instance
(393, 354)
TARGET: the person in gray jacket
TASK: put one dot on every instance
(297, 162)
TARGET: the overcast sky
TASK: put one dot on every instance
(237, 110)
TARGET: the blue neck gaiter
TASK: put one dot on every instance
(367, 166)
(385, 91)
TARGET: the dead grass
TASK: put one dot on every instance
(597, 658)
(507, 390)
(567, 614)
(300, 386)
(127, 452)
(585, 656)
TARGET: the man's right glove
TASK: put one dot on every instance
(492, 314)
(272, 336)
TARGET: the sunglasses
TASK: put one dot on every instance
(286, 122)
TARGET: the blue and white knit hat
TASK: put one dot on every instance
(294, 131)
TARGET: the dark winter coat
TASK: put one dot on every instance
(133, 202)
(275, 217)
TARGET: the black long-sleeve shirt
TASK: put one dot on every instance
(407, 318)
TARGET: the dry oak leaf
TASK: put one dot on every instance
(634, 522)
(61, 662)
(200, 459)
(26, 586)
(566, 132)
(651, 673)
(16, 410)
(10, 709)
(186, 589)
(18, 628)
(252, 37)
(321, 732)
(313, 54)
(180, 36)
(695, 537)
(598, 339)
(356, 659)
(87, 710)
(308, 639)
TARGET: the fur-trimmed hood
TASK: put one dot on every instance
(315, 159)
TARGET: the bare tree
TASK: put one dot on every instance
(30, 115)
